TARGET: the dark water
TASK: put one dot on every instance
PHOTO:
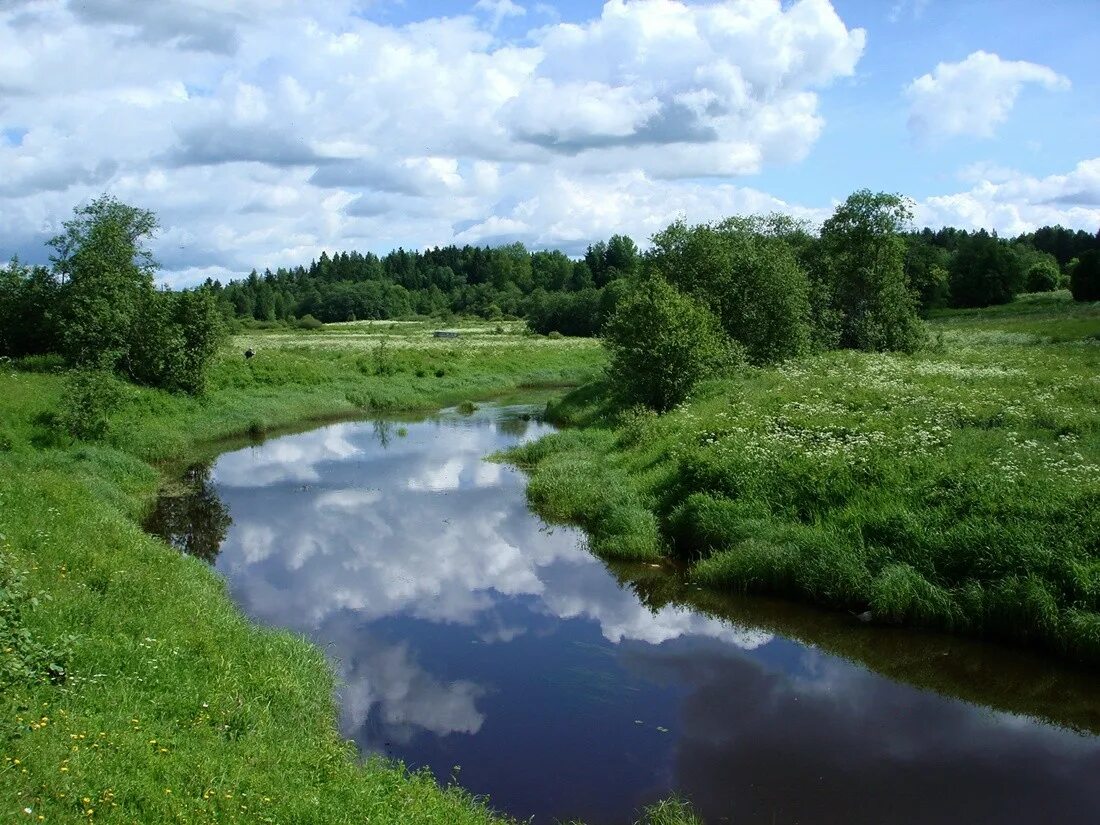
(472, 639)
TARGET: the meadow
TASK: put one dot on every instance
(132, 688)
(956, 488)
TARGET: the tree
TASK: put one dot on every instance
(551, 270)
(28, 300)
(1085, 277)
(926, 272)
(113, 319)
(662, 343)
(750, 279)
(109, 272)
(984, 272)
(1043, 275)
(621, 257)
(864, 260)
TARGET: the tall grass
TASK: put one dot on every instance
(958, 488)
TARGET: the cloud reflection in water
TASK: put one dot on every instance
(466, 632)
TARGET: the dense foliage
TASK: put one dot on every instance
(750, 279)
(557, 292)
(1085, 276)
(863, 257)
(661, 343)
(761, 279)
(98, 307)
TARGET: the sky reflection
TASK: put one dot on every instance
(466, 632)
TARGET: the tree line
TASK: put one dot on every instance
(943, 268)
(775, 285)
(550, 289)
(760, 290)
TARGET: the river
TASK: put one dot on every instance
(473, 639)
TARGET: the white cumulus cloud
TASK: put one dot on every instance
(974, 96)
(262, 133)
(1013, 202)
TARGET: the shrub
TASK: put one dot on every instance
(750, 280)
(1043, 276)
(661, 343)
(307, 321)
(25, 659)
(174, 340)
(1084, 281)
(87, 401)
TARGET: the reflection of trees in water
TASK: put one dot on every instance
(1002, 678)
(515, 425)
(383, 431)
(192, 518)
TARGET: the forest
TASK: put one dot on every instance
(944, 267)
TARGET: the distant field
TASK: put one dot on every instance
(1042, 317)
(365, 335)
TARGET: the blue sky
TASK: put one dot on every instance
(263, 131)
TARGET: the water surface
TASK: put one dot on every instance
(473, 639)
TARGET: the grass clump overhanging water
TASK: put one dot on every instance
(956, 488)
(133, 689)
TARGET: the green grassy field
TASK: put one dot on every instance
(132, 688)
(957, 488)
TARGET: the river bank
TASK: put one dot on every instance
(471, 639)
(134, 690)
(957, 488)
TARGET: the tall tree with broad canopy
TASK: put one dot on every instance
(107, 270)
(864, 255)
(112, 317)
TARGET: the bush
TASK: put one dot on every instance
(661, 343)
(307, 321)
(87, 401)
(1043, 276)
(569, 313)
(1084, 281)
(750, 280)
(24, 659)
(174, 339)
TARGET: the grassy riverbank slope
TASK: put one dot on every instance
(956, 488)
(173, 707)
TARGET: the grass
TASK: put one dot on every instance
(132, 688)
(958, 488)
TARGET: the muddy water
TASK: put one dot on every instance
(472, 639)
